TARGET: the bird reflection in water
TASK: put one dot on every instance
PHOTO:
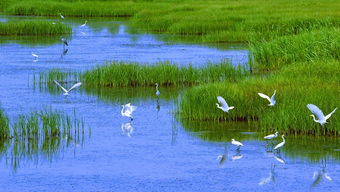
(237, 156)
(222, 158)
(127, 129)
(319, 175)
(270, 178)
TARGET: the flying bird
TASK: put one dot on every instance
(271, 100)
(65, 90)
(127, 110)
(322, 119)
(224, 105)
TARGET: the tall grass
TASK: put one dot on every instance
(122, 74)
(296, 85)
(33, 28)
(305, 47)
(4, 126)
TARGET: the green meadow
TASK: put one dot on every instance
(33, 28)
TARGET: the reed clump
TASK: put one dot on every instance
(297, 85)
(4, 126)
(34, 28)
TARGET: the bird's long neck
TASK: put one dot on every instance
(283, 138)
(157, 87)
(315, 119)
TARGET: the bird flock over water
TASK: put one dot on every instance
(321, 118)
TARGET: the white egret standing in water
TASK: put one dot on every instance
(271, 100)
(35, 56)
(65, 90)
(224, 105)
(322, 119)
(271, 136)
(158, 93)
(127, 110)
(237, 143)
(83, 25)
(61, 16)
(278, 146)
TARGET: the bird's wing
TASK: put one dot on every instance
(272, 98)
(264, 96)
(314, 109)
(222, 101)
(75, 85)
(56, 82)
(331, 113)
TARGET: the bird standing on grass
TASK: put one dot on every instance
(322, 119)
(271, 100)
(224, 105)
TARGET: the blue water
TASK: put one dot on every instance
(161, 153)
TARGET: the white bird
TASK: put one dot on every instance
(157, 91)
(224, 104)
(65, 90)
(271, 136)
(271, 100)
(83, 25)
(127, 129)
(322, 119)
(61, 16)
(127, 110)
(237, 143)
(64, 41)
(280, 144)
(35, 56)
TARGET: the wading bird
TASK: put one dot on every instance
(237, 143)
(61, 16)
(224, 105)
(158, 93)
(83, 25)
(322, 119)
(278, 146)
(67, 91)
(62, 39)
(271, 100)
(127, 110)
(271, 136)
(35, 56)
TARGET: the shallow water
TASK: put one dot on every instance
(156, 152)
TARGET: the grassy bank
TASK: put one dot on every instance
(306, 47)
(34, 28)
(296, 85)
(121, 74)
(4, 126)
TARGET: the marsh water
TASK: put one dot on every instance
(156, 151)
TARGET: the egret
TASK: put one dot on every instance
(157, 91)
(271, 136)
(35, 56)
(127, 129)
(322, 119)
(61, 16)
(83, 25)
(224, 104)
(64, 41)
(65, 90)
(280, 144)
(127, 110)
(271, 100)
(237, 143)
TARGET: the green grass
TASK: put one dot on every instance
(121, 74)
(4, 126)
(305, 47)
(296, 85)
(33, 28)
